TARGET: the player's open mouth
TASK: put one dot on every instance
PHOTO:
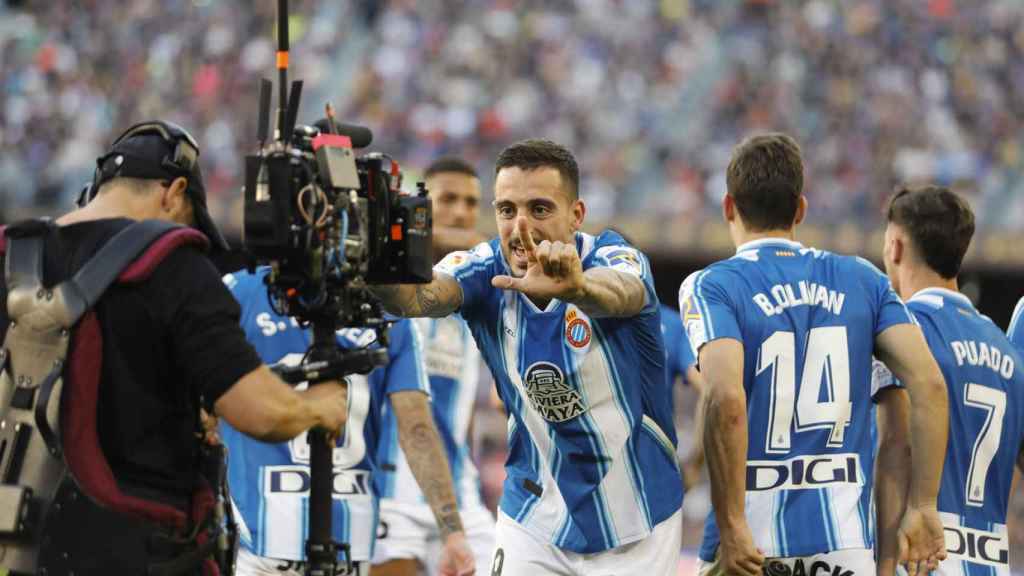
(517, 250)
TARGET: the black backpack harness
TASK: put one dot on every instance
(61, 508)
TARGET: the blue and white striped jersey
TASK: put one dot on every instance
(591, 462)
(807, 320)
(270, 482)
(986, 410)
(453, 366)
(679, 354)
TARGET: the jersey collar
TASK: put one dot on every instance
(764, 242)
(944, 293)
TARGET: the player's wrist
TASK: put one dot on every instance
(578, 293)
(732, 527)
(455, 537)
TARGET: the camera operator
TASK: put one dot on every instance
(271, 482)
(408, 535)
(160, 348)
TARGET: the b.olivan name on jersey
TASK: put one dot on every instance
(295, 480)
(989, 548)
(783, 296)
(983, 354)
(803, 472)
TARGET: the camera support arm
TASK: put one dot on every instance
(327, 361)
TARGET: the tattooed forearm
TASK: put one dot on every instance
(611, 293)
(425, 453)
(439, 298)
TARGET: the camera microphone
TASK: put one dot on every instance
(361, 136)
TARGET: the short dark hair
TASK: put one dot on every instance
(450, 164)
(540, 153)
(940, 224)
(765, 178)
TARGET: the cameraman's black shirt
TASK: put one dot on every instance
(168, 343)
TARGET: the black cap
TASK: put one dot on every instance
(149, 155)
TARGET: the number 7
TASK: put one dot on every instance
(993, 402)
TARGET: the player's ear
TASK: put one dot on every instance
(897, 249)
(728, 208)
(579, 211)
(801, 210)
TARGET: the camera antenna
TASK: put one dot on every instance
(263, 129)
(282, 68)
(293, 111)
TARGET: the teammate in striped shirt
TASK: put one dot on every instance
(270, 482)
(785, 336)
(568, 324)
(929, 230)
(408, 537)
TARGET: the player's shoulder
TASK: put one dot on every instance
(244, 278)
(610, 249)
(721, 274)
(859, 267)
(247, 287)
(460, 262)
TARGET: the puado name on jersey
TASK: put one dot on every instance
(983, 354)
(784, 296)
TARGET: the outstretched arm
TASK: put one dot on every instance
(421, 444)
(437, 299)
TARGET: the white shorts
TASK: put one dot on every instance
(520, 553)
(410, 531)
(851, 562)
(249, 564)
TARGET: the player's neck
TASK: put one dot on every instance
(920, 278)
(741, 236)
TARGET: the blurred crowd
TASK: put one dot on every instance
(650, 94)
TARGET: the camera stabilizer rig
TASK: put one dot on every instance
(328, 224)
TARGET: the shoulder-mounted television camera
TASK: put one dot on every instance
(329, 222)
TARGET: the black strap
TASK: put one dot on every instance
(52, 440)
(83, 290)
(24, 263)
(188, 561)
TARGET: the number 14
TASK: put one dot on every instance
(826, 361)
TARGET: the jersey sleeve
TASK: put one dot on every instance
(406, 369)
(1015, 333)
(881, 378)
(473, 270)
(627, 260)
(706, 309)
(890, 309)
